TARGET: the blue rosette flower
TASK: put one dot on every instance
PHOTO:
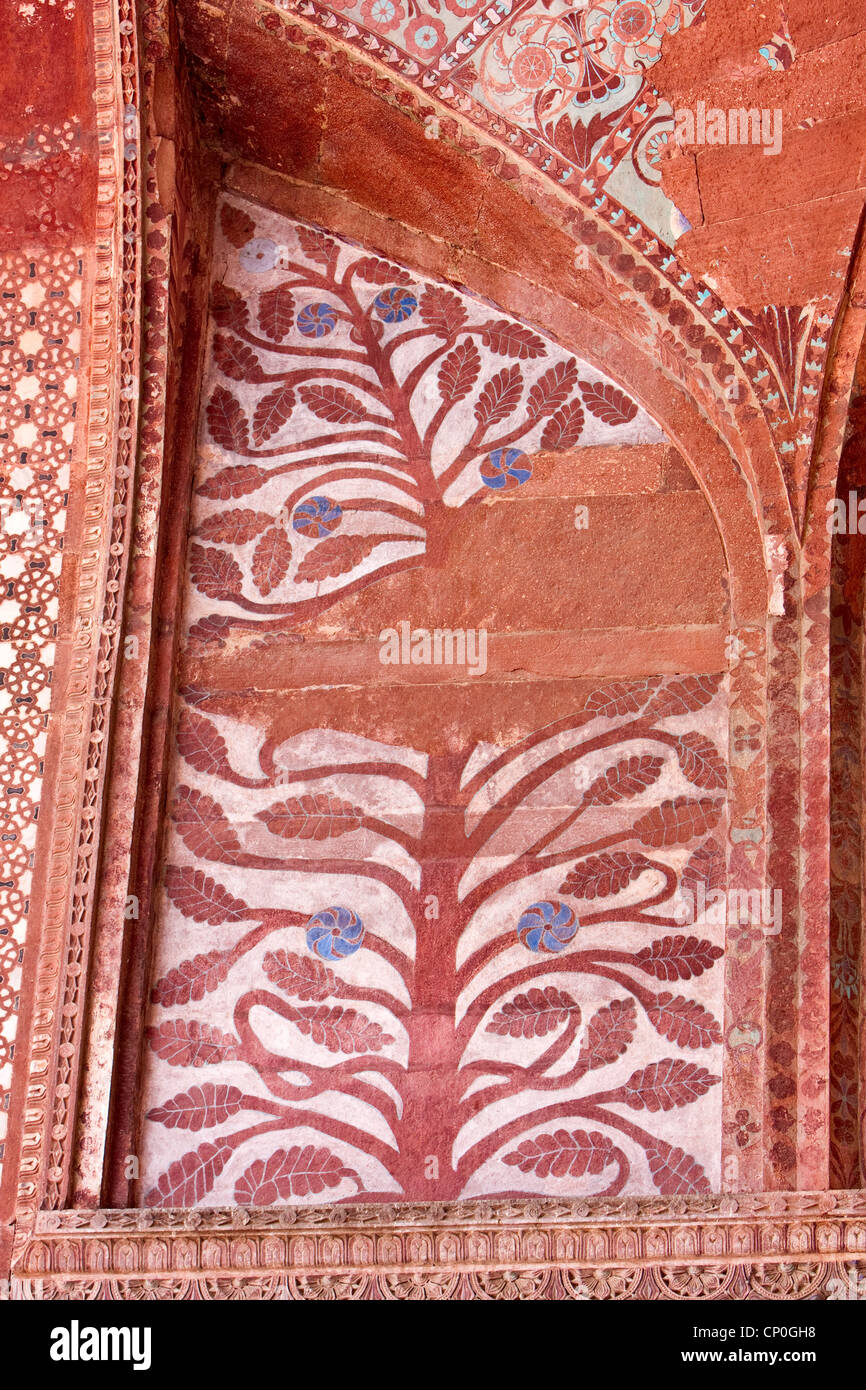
(506, 468)
(334, 933)
(394, 304)
(547, 926)
(317, 517)
(316, 320)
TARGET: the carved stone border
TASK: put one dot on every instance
(775, 1246)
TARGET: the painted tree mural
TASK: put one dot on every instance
(387, 974)
(351, 406)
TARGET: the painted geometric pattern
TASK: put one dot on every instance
(350, 406)
(387, 972)
(39, 346)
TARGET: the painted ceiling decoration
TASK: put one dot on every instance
(596, 128)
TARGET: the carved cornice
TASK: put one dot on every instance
(766, 1246)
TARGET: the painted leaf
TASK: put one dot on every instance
(334, 404)
(203, 826)
(237, 226)
(192, 979)
(534, 1014)
(234, 527)
(442, 311)
(602, 875)
(236, 359)
(233, 481)
(500, 397)
(459, 372)
(271, 559)
(340, 1029)
(295, 1172)
(201, 898)
(316, 246)
(188, 1179)
(618, 698)
(313, 816)
(301, 976)
(678, 957)
(675, 822)
(200, 743)
(683, 696)
(511, 339)
(185, 1042)
(336, 555)
(701, 762)
(608, 1033)
(552, 389)
(627, 778)
(375, 271)
(675, 1172)
(214, 572)
(277, 312)
(198, 1108)
(563, 1154)
(564, 428)
(608, 403)
(684, 1022)
(227, 421)
(271, 413)
(706, 867)
(667, 1084)
(229, 308)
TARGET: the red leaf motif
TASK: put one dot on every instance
(608, 403)
(271, 413)
(552, 389)
(667, 1084)
(316, 246)
(340, 1029)
(190, 1177)
(442, 311)
(500, 397)
(678, 957)
(237, 227)
(706, 866)
(271, 559)
(302, 976)
(296, 1172)
(626, 779)
(200, 743)
(214, 572)
(675, 1172)
(563, 1154)
(192, 979)
(228, 308)
(683, 696)
(203, 826)
(277, 312)
(563, 429)
(602, 875)
(511, 339)
(235, 527)
(198, 1108)
(378, 272)
(608, 1034)
(236, 360)
(676, 821)
(314, 816)
(186, 1042)
(618, 698)
(534, 1014)
(684, 1022)
(459, 372)
(336, 555)
(334, 404)
(227, 421)
(233, 481)
(701, 763)
(200, 898)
